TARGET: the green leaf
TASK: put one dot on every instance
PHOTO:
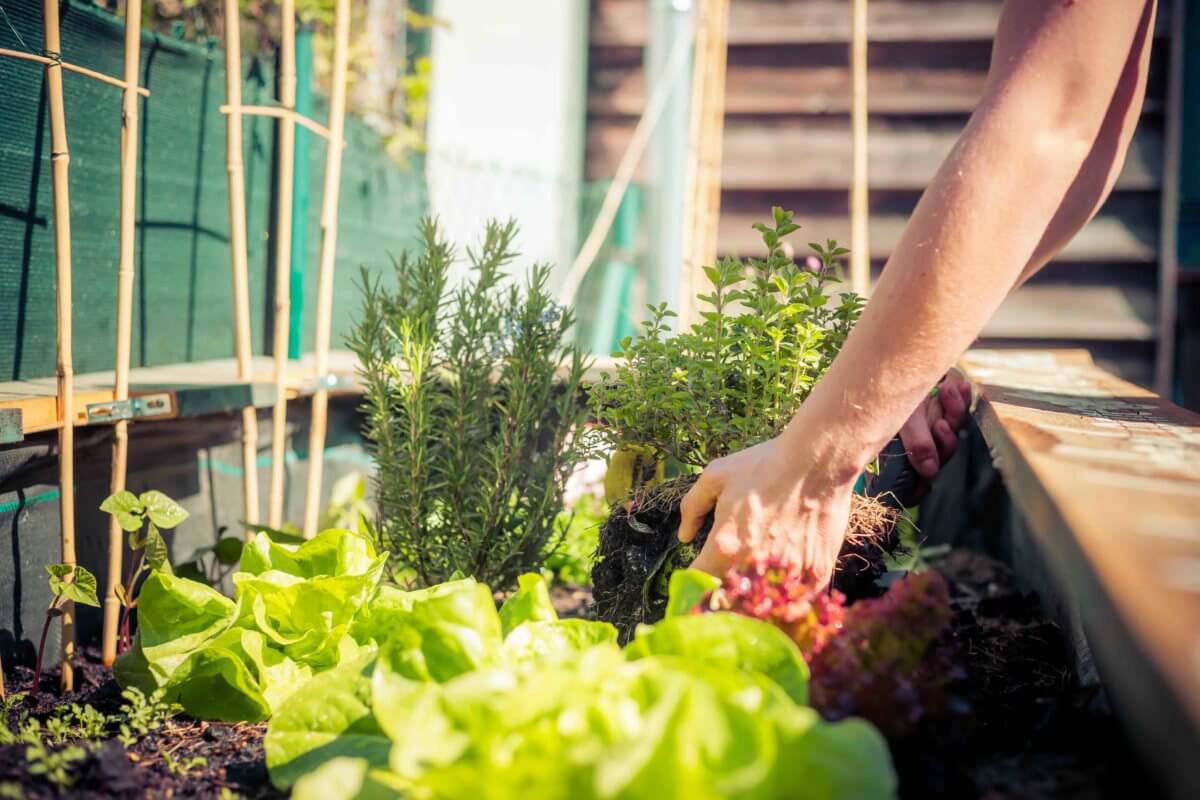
(228, 550)
(530, 602)
(729, 641)
(346, 778)
(330, 719)
(158, 557)
(546, 641)
(214, 683)
(687, 589)
(193, 571)
(176, 617)
(126, 508)
(73, 582)
(162, 510)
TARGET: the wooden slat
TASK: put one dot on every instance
(1109, 237)
(622, 23)
(1080, 313)
(1106, 477)
(798, 153)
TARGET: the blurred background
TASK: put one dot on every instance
(470, 110)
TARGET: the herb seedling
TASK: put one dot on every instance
(181, 766)
(141, 714)
(70, 583)
(155, 512)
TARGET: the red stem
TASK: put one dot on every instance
(37, 672)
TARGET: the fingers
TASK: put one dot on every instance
(699, 500)
(919, 444)
(721, 550)
(945, 438)
(954, 401)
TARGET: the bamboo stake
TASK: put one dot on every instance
(860, 249)
(282, 113)
(702, 197)
(235, 170)
(329, 224)
(60, 161)
(89, 73)
(283, 257)
(120, 453)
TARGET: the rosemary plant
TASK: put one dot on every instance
(473, 411)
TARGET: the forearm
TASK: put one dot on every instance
(982, 221)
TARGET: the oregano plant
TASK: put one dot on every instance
(69, 583)
(143, 517)
(768, 328)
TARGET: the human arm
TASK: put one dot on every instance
(1034, 162)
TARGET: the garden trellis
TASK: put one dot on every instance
(51, 58)
(288, 118)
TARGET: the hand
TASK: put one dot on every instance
(930, 435)
(773, 500)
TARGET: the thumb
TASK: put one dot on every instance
(699, 500)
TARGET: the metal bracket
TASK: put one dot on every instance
(12, 428)
(147, 405)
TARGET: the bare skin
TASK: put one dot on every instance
(1034, 163)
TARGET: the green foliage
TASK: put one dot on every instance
(472, 398)
(768, 330)
(455, 703)
(578, 529)
(349, 507)
(72, 583)
(141, 714)
(156, 512)
(54, 766)
(237, 660)
(181, 767)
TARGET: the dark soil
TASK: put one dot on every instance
(234, 753)
(1025, 728)
(638, 551)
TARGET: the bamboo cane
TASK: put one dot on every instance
(860, 248)
(78, 70)
(702, 197)
(329, 226)
(129, 143)
(235, 170)
(60, 161)
(283, 257)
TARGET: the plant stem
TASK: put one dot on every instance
(37, 672)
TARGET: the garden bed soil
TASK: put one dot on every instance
(1024, 727)
(234, 752)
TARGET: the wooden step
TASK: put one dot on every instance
(622, 23)
(803, 153)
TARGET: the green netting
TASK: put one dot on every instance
(182, 307)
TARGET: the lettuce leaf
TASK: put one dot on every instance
(531, 602)
(729, 641)
(330, 719)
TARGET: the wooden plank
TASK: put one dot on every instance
(1081, 313)
(201, 387)
(1107, 238)
(622, 23)
(786, 88)
(1106, 476)
(800, 153)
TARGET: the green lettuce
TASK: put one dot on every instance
(520, 704)
(294, 609)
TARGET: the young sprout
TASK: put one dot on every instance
(69, 583)
(154, 511)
